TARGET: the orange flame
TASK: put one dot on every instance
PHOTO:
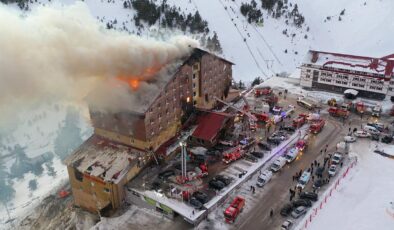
(134, 81)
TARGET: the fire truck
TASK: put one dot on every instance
(262, 91)
(301, 144)
(235, 208)
(264, 117)
(360, 107)
(299, 121)
(338, 112)
(317, 126)
(233, 155)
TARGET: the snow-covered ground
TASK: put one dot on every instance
(36, 133)
(362, 199)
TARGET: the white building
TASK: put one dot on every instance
(371, 77)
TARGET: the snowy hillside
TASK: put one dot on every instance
(46, 130)
(364, 28)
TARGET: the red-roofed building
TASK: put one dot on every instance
(210, 126)
(371, 77)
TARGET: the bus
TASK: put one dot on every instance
(305, 104)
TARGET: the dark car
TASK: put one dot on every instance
(224, 179)
(319, 171)
(195, 203)
(155, 185)
(165, 174)
(375, 137)
(264, 146)
(286, 210)
(301, 202)
(287, 128)
(251, 158)
(274, 140)
(199, 158)
(216, 184)
(257, 154)
(319, 183)
(309, 195)
(200, 196)
(387, 139)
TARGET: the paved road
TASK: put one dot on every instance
(278, 190)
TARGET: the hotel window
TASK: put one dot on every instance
(308, 70)
(390, 88)
(338, 82)
(372, 87)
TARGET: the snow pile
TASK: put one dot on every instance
(362, 200)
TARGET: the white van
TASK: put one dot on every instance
(371, 130)
(304, 179)
(291, 155)
(264, 178)
(278, 164)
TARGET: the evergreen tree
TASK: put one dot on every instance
(33, 185)
(216, 44)
(256, 81)
(69, 135)
(6, 190)
(22, 162)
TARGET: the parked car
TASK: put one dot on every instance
(349, 139)
(257, 154)
(387, 139)
(278, 164)
(371, 129)
(337, 158)
(286, 210)
(362, 133)
(264, 146)
(332, 170)
(309, 195)
(299, 211)
(165, 174)
(274, 140)
(264, 178)
(226, 180)
(319, 171)
(200, 196)
(287, 225)
(195, 203)
(319, 183)
(302, 202)
(216, 184)
(288, 128)
(378, 126)
(251, 158)
(375, 137)
(304, 179)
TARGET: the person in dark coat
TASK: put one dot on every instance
(271, 212)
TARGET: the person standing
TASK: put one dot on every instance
(271, 212)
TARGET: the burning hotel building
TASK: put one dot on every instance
(123, 142)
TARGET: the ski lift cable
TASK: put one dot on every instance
(246, 43)
(264, 40)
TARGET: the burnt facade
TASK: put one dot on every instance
(197, 82)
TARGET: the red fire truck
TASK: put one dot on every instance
(233, 155)
(360, 107)
(317, 126)
(264, 117)
(234, 209)
(262, 91)
(299, 121)
(338, 112)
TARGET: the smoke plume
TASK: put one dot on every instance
(64, 53)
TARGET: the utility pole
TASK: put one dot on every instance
(183, 159)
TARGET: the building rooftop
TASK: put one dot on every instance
(209, 125)
(103, 159)
(378, 66)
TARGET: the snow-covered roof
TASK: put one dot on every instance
(382, 66)
(351, 91)
(103, 159)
